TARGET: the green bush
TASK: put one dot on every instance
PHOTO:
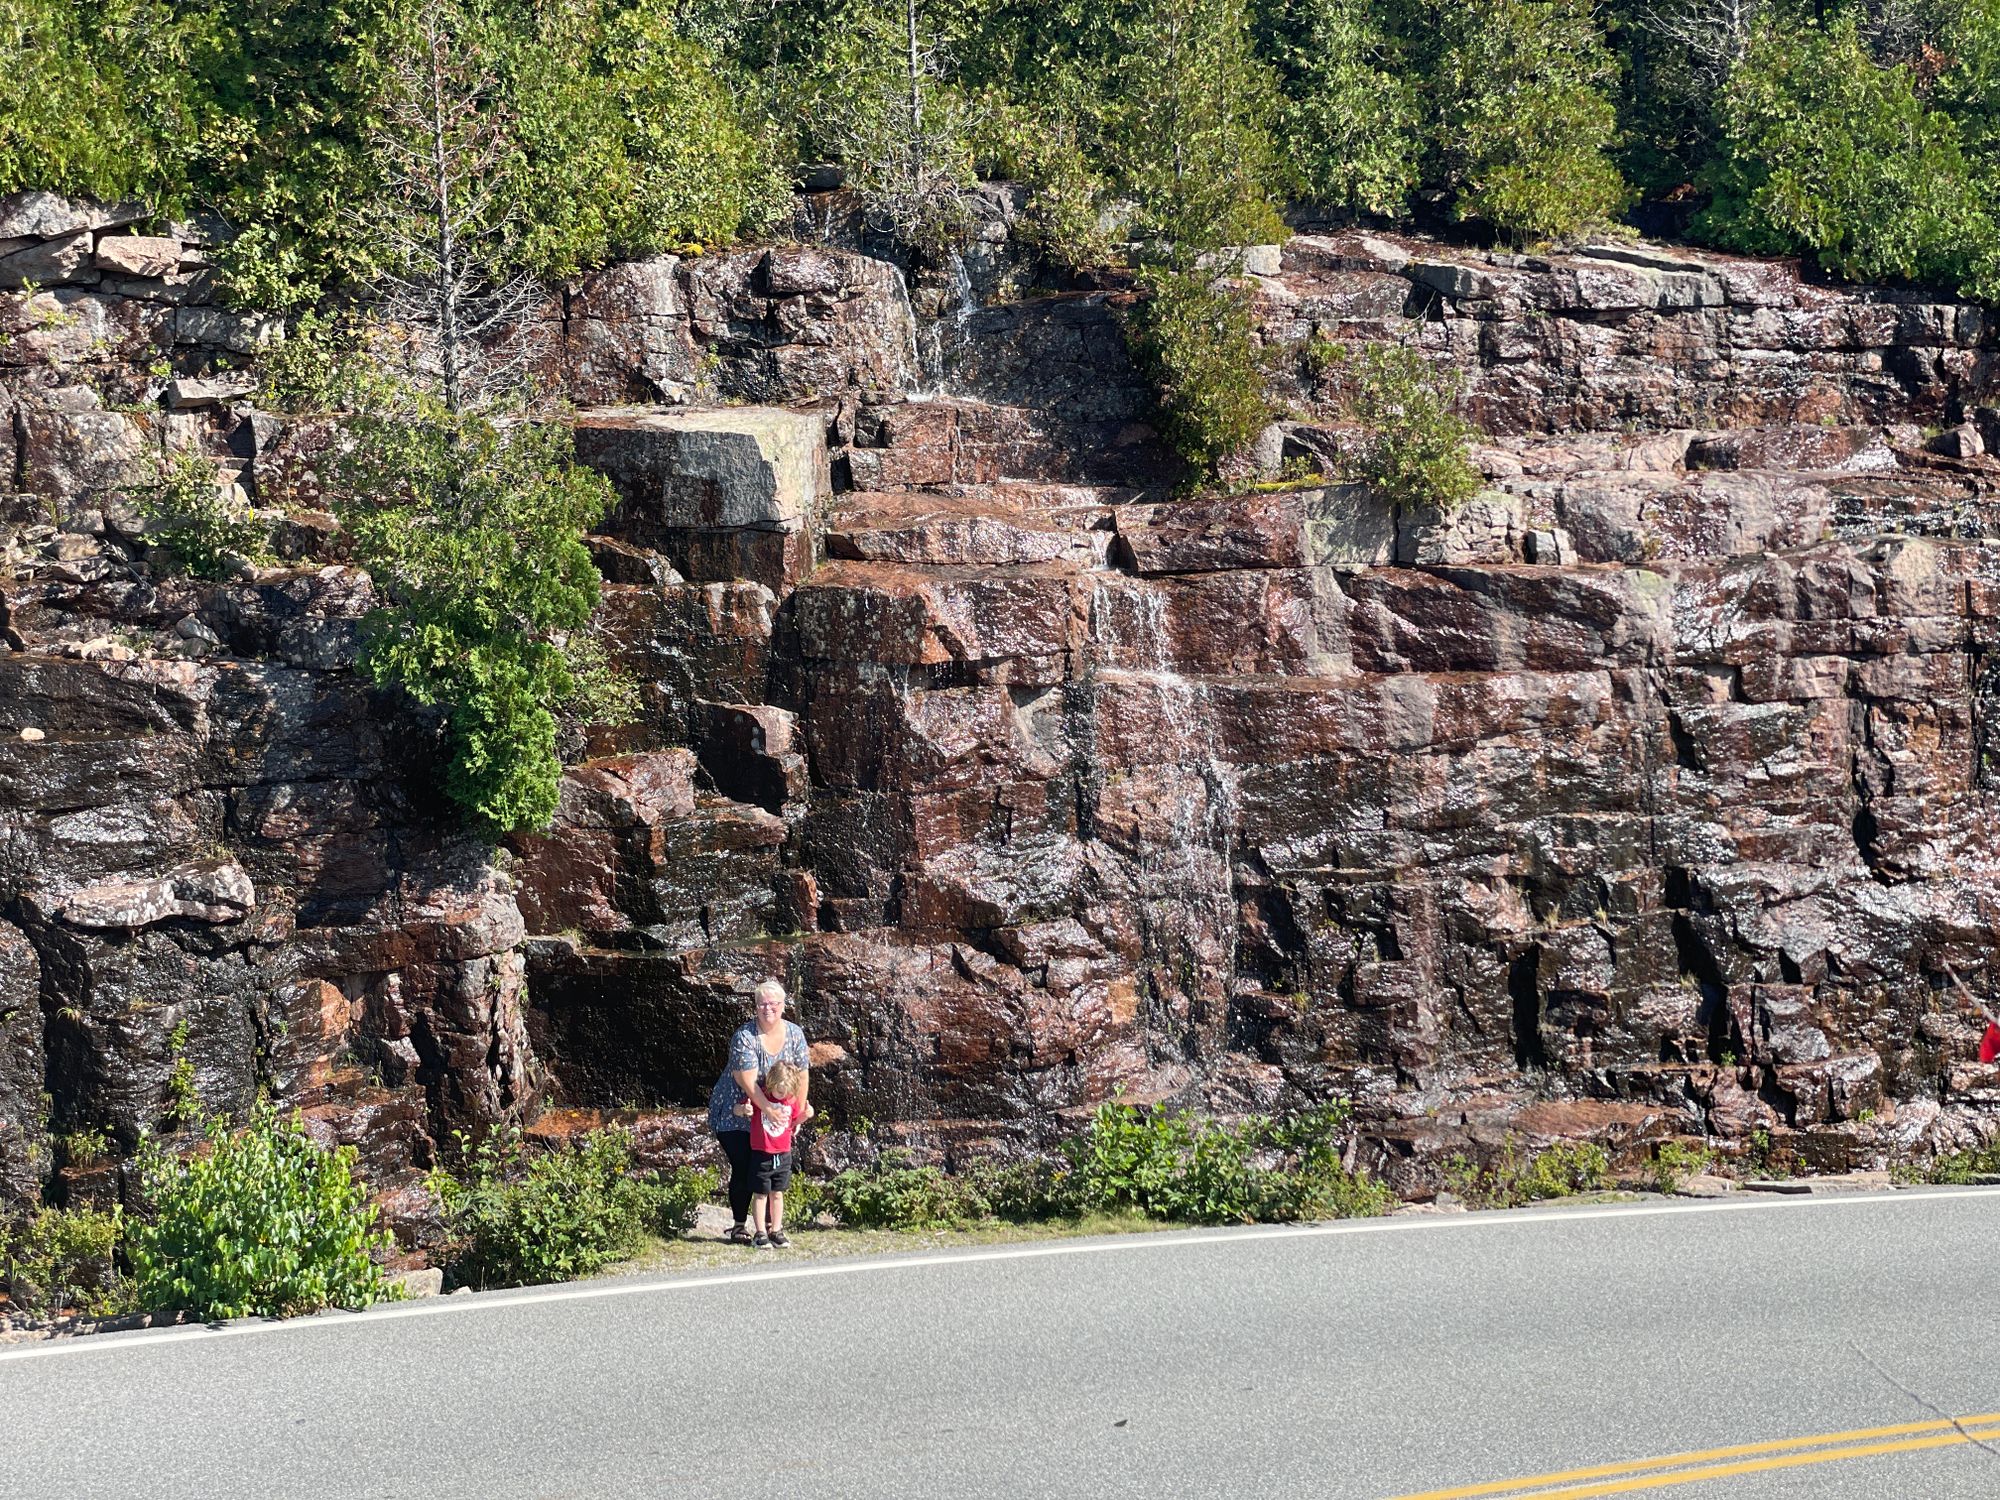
(59, 1261)
(1192, 339)
(516, 1217)
(260, 1221)
(1957, 1168)
(1170, 1165)
(1560, 1171)
(671, 1199)
(1827, 151)
(90, 101)
(895, 1195)
(1674, 1162)
(1026, 1192)
(1413, 447)
(633, 136)
(194, 518)
(473, 531)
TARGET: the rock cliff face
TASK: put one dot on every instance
(1652, 792)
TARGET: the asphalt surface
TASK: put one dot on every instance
(1354, 1361)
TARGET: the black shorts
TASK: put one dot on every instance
(770, 1171)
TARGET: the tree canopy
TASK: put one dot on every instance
(1865, 132)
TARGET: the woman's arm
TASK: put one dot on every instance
(748, 1081)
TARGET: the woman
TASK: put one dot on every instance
(756, 1045)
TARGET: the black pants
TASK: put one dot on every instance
(742, 1170)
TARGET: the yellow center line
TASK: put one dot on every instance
(1759, 1465)
(1704, 1455)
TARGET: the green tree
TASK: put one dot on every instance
(1188, 128)
(91, 99)
(1191, 335)
(1346, 121)
(1522, 123)
(1413, 445)
(1827, 151)
(632, 135)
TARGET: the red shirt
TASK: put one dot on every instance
(784, 1112)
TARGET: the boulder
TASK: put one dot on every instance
(138, 255)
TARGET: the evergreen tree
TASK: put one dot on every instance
(1346, 123)
(1522, 123)
(1827, 150)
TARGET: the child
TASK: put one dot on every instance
(771, 1152)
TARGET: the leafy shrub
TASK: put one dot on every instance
(1192, 339)
(519, 1218)
(198, 523)
(473, 532)
(671, 1199)
(1560, 1171)
(260, 1221)
(87, 95)
(85, 1148)
(632, 138)
(1312, 1185)
(895, 1195)
(1827, 151)
(62, 1260)
(1957, 1168)
(1414, 447)
(1676, 1161)
(1170, 1165)
(1026, 1192)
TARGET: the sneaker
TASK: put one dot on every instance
(777, 1237)
(762, 1242)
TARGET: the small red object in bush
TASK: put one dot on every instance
(1989, 1045)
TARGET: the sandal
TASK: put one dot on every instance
(738, 1234)
(777, 1238)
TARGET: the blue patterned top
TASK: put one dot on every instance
(746, 1053)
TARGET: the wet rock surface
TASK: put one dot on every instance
(1650, 793)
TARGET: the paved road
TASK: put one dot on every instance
(1352, 1363)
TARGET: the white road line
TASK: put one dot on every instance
(865, 1265)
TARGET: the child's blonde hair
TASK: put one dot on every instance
(784, 1081)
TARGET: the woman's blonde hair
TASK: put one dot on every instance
(784, 1081)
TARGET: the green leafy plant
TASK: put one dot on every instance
(1190, 334)
(1827, 150)
(1524, 121)
(200, 523)
(1413, 446)
(261, 1221)
(473, 532)
(1675, 1161)
(1171, 1165)
(1347, 122)
(1957, 1168)
(892, 1194)
(518, 1217)
(1560, 1171)
(183, 1100)
(85, 1148)
(58, 1261)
